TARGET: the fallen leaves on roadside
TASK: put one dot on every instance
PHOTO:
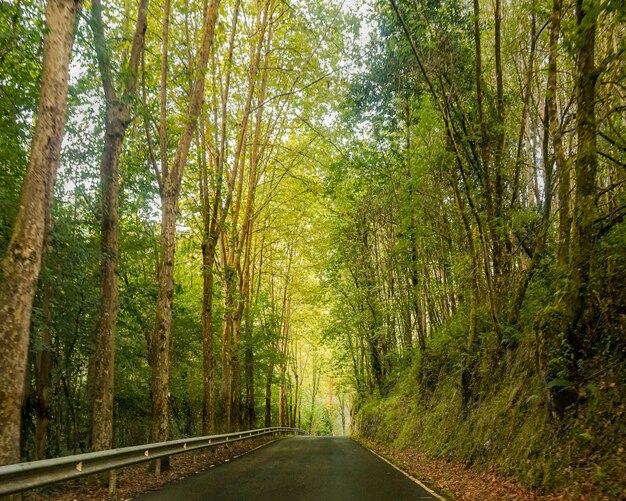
(456, 481)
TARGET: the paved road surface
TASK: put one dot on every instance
(298, 468)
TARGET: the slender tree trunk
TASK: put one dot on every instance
(208, 412)
(491, 257)
(316, 383)
(415, 294)
(227, 341)
(163, 136)
(282, 400)
(160, 343)
(282, 394)
(104, 355)
(268, 394)
(249, 368)
(117, 121)
(43, 376)
(497, 224)
(484, 135)
(160, 346)
(586, 168)
(209, 244)
(235, 388)
(562, 168)
(171, 182)
(21, 265)
(296, 402)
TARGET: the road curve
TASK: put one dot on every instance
(298, 468)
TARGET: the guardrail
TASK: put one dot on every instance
(25, 476)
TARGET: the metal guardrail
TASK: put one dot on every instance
(24, 476)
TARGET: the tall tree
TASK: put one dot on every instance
(562, 167)
(22, 262)
(118, 107)
(214, 211)
(170, 178)
(585, 170)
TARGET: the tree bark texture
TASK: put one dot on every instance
(214, 215)
(43, 376)
(268, 395)
(160, 347)
(118, 113)
(171, 182)
(250, 412)
(104, 355)
(226, 385)
(585, 169)
(22, 262)
(208, 412)
(562, 168)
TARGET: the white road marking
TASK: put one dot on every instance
(434, 494)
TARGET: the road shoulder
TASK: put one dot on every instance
(403, 467)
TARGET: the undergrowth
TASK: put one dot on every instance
(515, 419)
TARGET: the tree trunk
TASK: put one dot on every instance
(282, 401)
(268, 395)
(562, 169)
(249, 370)
(497, 223)
(235, 389)
(22, 262)
(104, 355)
(171, 182)
(160, 346)
(586, 167)
(117, 121)
(415, 294)
(315, 387)
(296, 402)
(43, 377)
(282, 394)
(208, 409)
(227, 355)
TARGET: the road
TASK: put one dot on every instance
(298, 468)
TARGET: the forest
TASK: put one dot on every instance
(397, 219)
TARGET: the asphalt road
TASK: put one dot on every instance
(298, 468)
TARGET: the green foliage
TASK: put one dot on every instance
(509, 426)
(20, 64)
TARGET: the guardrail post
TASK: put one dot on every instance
(112, 481)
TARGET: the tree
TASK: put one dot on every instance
(562, 168)
(170, 178)
(118, 118)
(585, 170)
(22, 262)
